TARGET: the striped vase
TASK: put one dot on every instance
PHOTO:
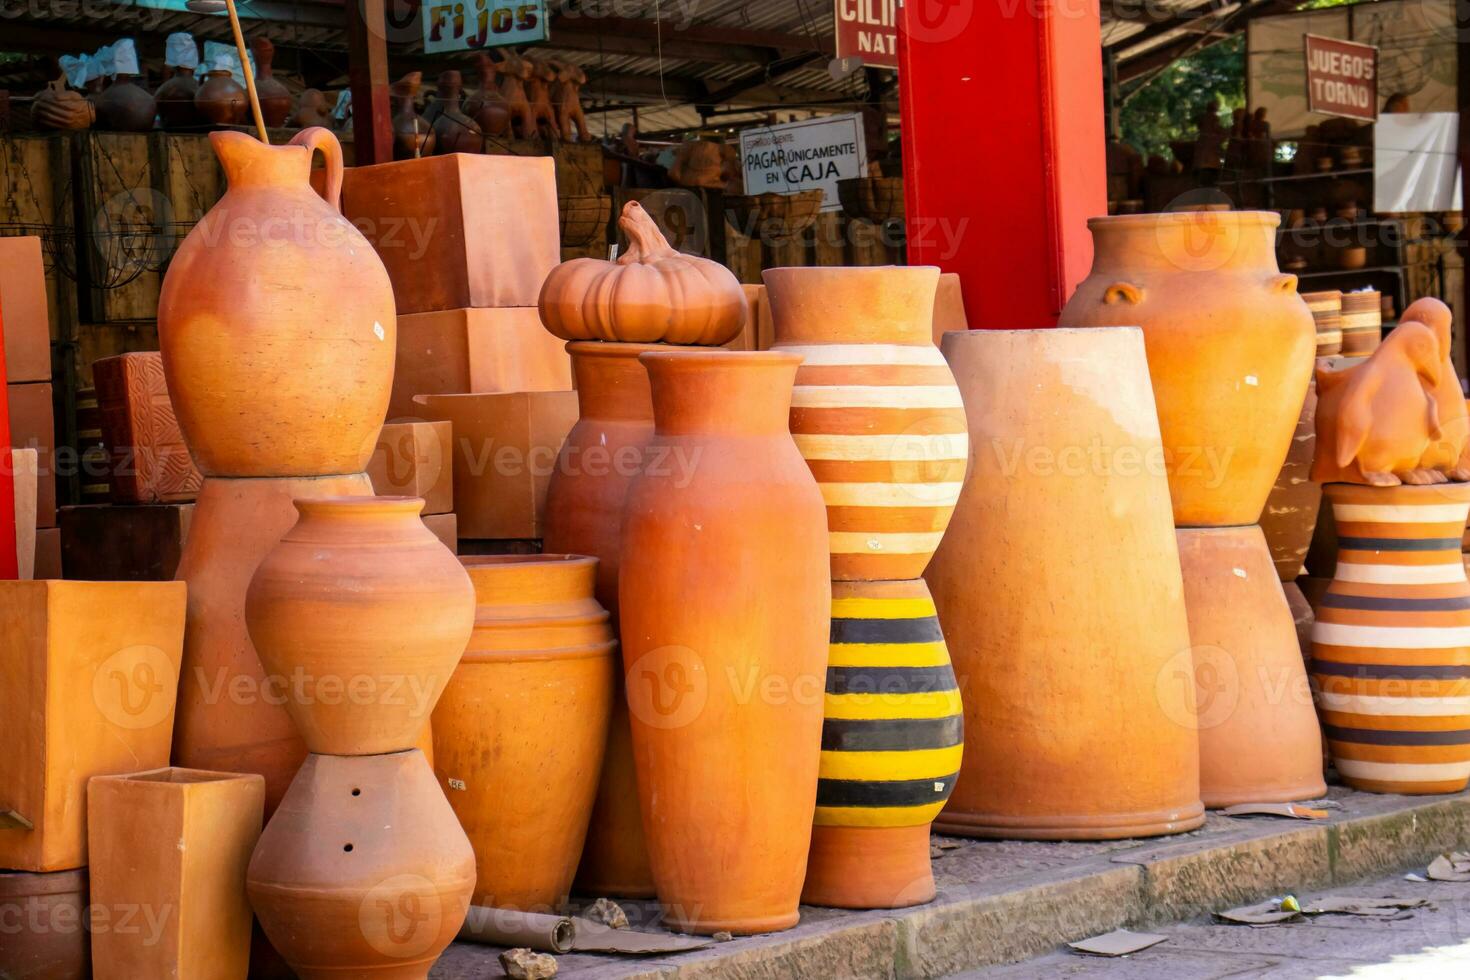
(1362, 322)
(891, 745)
(1326, 310)
(875, 412)
(1391, 646)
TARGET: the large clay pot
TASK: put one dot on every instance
(364, 870)
(891, 747)
(367, 613)
(1258, 735)
(276, 321)
(1290, 515)
(48, 937)
(126, 106)
(1230, 348)
(1391, 645)
(876, 412)
(175, 100)
(275, 98)
(725, 602)
(602, 454)
(220, 99)
(1071, 649)
(521, 728)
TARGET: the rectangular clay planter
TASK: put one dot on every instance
(169, 848)
(89, 673)
(33, 426)
(149, 462)
(461, 351)
(23, 310)
(949, 307)
(23, 473)
(412, 459)
(122, 543)
(445, 528)
(505, 448)
(459, 230)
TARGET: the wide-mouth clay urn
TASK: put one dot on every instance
(1230, 348)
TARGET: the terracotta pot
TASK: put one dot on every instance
(1351, 258)
(413, 137)
(875, 412)
(87, 689)
(1362, 322)
(522, 726)
(126, 106)
(1290, 515)
(885, 773)
(760, 619)
(175, 100)
(173, 839)
(57, 107)
(275, 98)
(604, 451)
(53, 941)
(1045, 757)
(364, 870)
(231, 715)
(1258, 735)
(1230, 347)
(276, 321)
(1326, 310)
(367, 613)
(454, 132)
(220, 99)
(1391, 646)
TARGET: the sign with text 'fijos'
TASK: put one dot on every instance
(867, 30)
(1342, 77)
(813, 154)
(465, 25)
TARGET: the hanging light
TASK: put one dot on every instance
(206, 6)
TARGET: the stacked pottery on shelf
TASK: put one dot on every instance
(1230, 351)
(879, 420)
(1362, 322)
(1391, 644)
(1326, 310)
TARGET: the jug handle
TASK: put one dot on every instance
(321, 138)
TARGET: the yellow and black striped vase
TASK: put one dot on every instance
(892, 739)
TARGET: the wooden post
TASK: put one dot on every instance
(1462, 238)
(367, 72)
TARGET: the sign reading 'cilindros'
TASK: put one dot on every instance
(867, 30)
(1342, 77)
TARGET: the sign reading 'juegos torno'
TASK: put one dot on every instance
(867, 30)
(1342, 77)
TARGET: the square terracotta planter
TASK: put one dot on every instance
(27, 327)
(758, 333)
(949, 307)
(459, 230)
(461, 351)
(149, 462)
(122, 542)
(412, 459)
(445, 528)
(505, 448)
(89, 672)
(169, 849)
(33, 426)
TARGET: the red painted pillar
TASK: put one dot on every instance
(1003, 149)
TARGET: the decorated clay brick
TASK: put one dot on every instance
(149, 460)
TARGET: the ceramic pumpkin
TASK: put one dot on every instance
(651, 293)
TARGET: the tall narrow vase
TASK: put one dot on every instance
(1391, 645)
(1059, 592)
(725, 600)
(875, 412)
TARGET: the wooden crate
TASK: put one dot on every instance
(118, 206)
(36, 199)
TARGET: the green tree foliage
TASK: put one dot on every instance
(1164, 107)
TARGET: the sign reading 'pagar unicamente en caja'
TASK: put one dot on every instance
(810, 155)
(1342, 77)
(867, 30)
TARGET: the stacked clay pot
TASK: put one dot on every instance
(277, 328)
(1230, 347)
(523, 789)
(1075, 677)
(878, 418)
(1362, 322)
(364, 867)
(1326, 310)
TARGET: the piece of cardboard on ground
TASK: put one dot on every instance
(1119, 942)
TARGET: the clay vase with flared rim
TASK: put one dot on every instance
(1391, 646)
(725, 598)
(364, 870)
(522, 726)
(367, 613)
(1230, 347)
(275, 98)
(126, 106)
(220, 99)
(454, 132)
(603, 452)
(875, 412)
(46, 915)
(175, 100)
(891, 747)
(1065, 436)
(1258, 736)
(230, 715)
(1290, 516)
(276, 320)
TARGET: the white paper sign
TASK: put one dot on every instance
(1415, 165)
(804, 156)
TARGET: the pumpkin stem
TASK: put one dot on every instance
(645, 242)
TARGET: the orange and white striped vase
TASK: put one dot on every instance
(1391, 645)
(875, 411)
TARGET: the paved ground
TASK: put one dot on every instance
(1425, 944)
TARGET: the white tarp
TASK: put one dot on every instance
(1415, 167)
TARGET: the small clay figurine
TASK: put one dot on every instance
(538, 93)
(566, 96)
(1449, 454)
(454, 132)
(517, 71)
